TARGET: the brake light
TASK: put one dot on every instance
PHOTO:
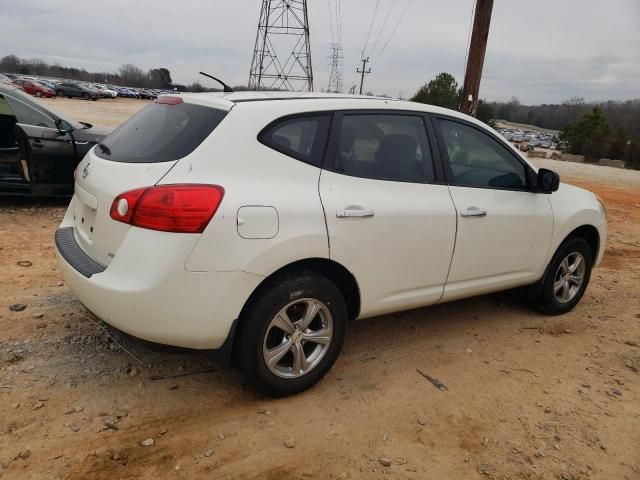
(168, 100)
(180, 208)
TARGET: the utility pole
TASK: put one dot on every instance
(363, 72)
(475, 62)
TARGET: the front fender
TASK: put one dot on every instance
(575, 207)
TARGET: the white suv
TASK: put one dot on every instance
(261, 223)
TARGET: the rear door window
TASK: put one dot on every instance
(384, 147)
(302, 137)
(161, 133)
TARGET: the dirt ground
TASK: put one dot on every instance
(528, 396)
(109, 112)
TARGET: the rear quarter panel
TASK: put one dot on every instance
(253, 174)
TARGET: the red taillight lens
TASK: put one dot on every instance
(169, 208)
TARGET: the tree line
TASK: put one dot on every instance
(596, 130)
(128, 75)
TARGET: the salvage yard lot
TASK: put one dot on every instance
(528, 396)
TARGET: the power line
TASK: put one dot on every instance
(373, 19)
(355, 74)
(339, 3)
(331, 20)
(392, 33)
(384, 24)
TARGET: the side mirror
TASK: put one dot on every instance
(548, 181)
(63, 127)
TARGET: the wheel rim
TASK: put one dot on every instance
(569, 277)
(298, 338)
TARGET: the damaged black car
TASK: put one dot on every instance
(40, 149)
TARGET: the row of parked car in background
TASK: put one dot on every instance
(527, 140)
(50, 87)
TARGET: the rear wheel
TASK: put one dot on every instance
(292, 334)
(567, 277)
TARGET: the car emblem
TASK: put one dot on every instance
(85, 170)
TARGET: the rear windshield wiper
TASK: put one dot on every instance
(104, 148)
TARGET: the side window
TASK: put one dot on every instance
(477, 160)
(302, 137)
(384, 147)
(28, 115)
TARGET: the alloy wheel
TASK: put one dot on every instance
(298, 338)
(569, 277)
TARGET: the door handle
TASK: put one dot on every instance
(354, 213)
(473, 212)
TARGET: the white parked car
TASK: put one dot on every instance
(110, 92)
(262, 223)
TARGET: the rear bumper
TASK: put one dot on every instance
(146, 292)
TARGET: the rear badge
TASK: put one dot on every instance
(85, 170)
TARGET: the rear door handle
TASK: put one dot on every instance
(473, 212)
(354, 213)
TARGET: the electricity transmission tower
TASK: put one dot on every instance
(282, 52)
(335, 63)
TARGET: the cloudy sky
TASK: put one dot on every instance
(540, 51)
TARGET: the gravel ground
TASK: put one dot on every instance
(529, 396)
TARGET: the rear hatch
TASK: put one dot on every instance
(136, 155)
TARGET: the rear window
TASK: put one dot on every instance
(160, 133)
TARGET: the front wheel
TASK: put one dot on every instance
(291, 334)
(567, 277)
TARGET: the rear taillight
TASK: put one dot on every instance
(169, 208)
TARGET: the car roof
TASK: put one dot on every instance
(316, 100)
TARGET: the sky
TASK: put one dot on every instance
(542, 51)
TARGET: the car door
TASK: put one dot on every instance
(388, 220)
(52, 156)
(62, 89)
(504, 228)
(70, 89)
(9, 151)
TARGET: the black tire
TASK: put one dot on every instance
(547, 300)
(257, 317)
(86, 96)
